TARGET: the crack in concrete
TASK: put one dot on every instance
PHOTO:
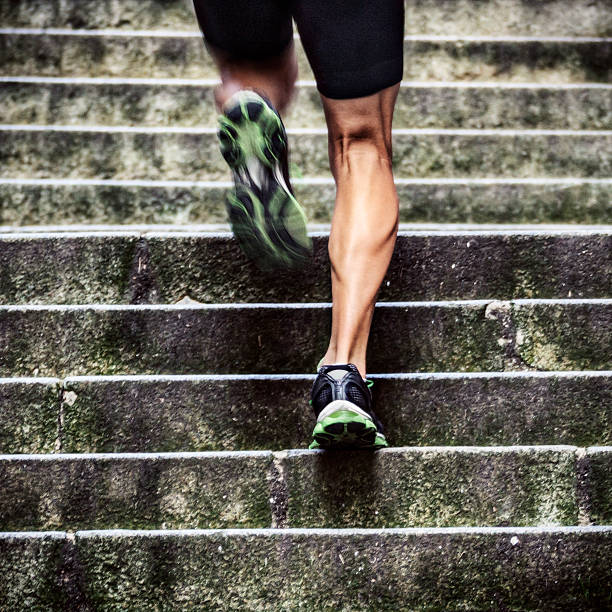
(72, 576)
(279, 490)
(583, 487)
(142, 284)
(59, 438)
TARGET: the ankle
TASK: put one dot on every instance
(329, 360)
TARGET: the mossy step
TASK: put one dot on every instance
(462, 17)
(271, 338)
(233, 412)
(142, 54)
(400, 487)
(175, 102)
(550, 568)
(29, 415)
(136, 490)
(599, 481)
(124, 267)
(66, 201)
(193, 153)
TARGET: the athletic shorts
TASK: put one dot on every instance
(355, 47)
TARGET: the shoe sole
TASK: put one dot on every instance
(270, 228)
(346, 430)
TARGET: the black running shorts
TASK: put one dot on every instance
(355, 47)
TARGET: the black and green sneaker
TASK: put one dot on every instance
(342, 402)
(266, 219)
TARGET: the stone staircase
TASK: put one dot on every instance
(153, 410)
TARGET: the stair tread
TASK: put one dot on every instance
(167, 54)
(560, 17)
(528, 568)
(396, 487)
(428, 264)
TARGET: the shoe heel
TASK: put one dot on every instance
(251, 127)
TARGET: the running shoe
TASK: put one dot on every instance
(342, 402)
(266, 219)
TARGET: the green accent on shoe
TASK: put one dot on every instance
(267, 221)
(345, 429)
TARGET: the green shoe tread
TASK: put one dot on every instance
(333, 432)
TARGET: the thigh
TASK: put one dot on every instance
(245, 29)
(355, 47)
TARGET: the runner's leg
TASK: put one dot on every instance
(364, 224)
(252, 45)
(356, 53)
(272, 77)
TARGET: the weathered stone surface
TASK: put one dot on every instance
(29, 411)
(550, 569)
(599, 480)
(129, 14)
(228, 413)
(586, 107)
(424, 266)
(33, 573)
(114, 55)
(548, 339)
(463, 336)
(529, 568)
(123, 267)
(149, 154)
(436, 201)
(142, 490)
(69, 268)
(496, 409)
(196, 414)
(446, 18)
(190, 414)
(432, 487)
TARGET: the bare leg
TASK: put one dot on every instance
(364, 224)
(273, 77)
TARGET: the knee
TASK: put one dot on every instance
(360, 134)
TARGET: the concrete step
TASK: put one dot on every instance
(232, 412)
(551, 568)
(463, 17)
(599, 475)
(474, 335)
(164, 153)
(168, 54)
(115, 414)
(87, 101)
(29, 415)
(165, 267)
(398, 487)
(145, 490)
(472, 200)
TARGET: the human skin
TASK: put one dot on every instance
(365, 219)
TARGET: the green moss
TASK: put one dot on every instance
(377, 571)
(32, 574)
(152, 493)
(432, 488)
(29, 417)
(551, 337)
(600, 486)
